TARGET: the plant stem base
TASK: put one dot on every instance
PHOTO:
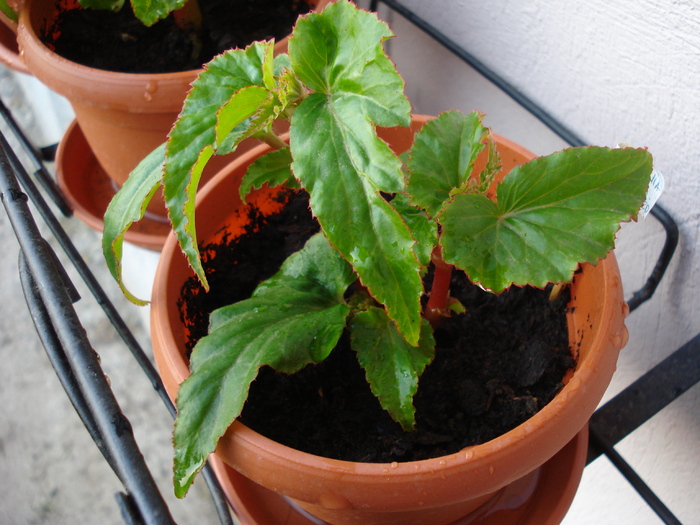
(541, 497)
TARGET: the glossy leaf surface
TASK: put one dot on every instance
(391, 365)
(341, 162)
(442, 158)
(550, 215)
(293, 319)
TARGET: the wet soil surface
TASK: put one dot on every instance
(495, 366)
(117, 41)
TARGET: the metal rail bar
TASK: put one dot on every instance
(651, 499)
(41, 173)
(113, 429)
(120, 326)
(647, 396)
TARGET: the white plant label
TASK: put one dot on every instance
(656, 187)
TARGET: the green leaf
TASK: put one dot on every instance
(150, 11)
(442, 157)
(242, 105)
(341, 162)
(111, 5)
(127, 207)
(193, 139)
(391, 365)
(424, 229)
(293, 319)
(551, 214)
(272, 169)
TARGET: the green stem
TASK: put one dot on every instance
(271, 139)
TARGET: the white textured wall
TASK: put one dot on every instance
(612, 71)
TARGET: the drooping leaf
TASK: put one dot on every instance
(272, 169)
(193, 139)
(443, 156)
(391, 365)
(341, 162)
(127, 207)
(551, 214)
(293, 319)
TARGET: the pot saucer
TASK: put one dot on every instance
(89, 190)
(541, 497)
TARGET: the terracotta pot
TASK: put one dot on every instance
(436, 491)
(124, 116)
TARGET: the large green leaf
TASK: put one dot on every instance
(127, 207)
(442, 157)
(341, 162)
(391, 365)
(193, 139)
(293, 319)
(551, 214)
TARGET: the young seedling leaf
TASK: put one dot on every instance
(391, 365)
(293, 319)
(550, 215)
(242, 105)
(424, 229)
(150, 11)
(442, 157)
(341, 162)
(127, 207)
(272, 169)
(193, 139)
(112, 5)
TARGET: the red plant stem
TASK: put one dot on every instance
(436, 308)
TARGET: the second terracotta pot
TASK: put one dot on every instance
(436, 491)
(124, 116)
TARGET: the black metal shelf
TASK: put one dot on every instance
(50, 294)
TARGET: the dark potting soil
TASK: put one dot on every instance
(117, 41)
(495, 366)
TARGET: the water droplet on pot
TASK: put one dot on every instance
(468, 455)
(442, 462)
(394, 465)
(491, 469)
